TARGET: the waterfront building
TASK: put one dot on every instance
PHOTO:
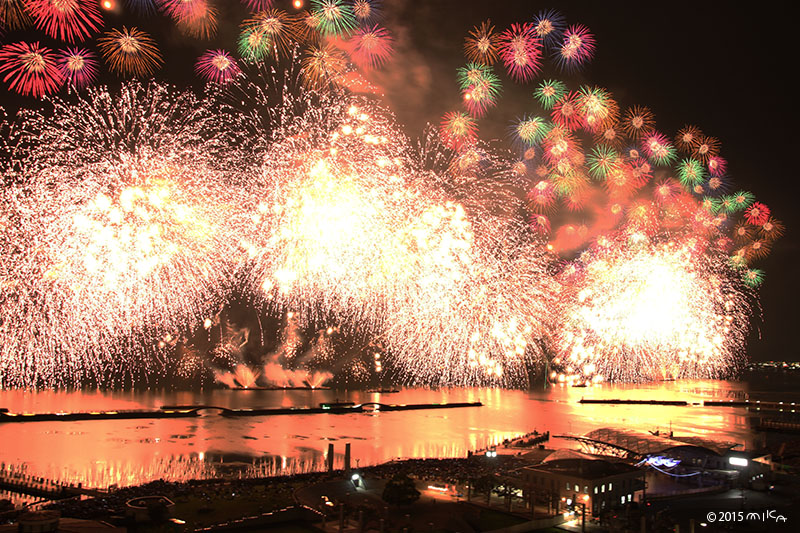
(571, 479)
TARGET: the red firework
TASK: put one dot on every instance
(566, 112)
(560, 148)
(757, 214)
(30, 69)
(640, 171)
(68, 20)
(620, 184)
(667, 191)
(521, 50)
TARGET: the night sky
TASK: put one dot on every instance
(727, 70)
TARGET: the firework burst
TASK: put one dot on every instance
(549, 92)
(336, 17)
(458, 130)
(367, 11)
(275, 29)
(70, 20)
(520, 48)
(30, 69)
(130, 52)
(217, 66)
(550, 26)
(482, 44)
(13, 15)
(651, 310)
(371, 47)
(115, 244)
(577, 48)
(78, 66)
(323, 65)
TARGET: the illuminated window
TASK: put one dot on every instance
(610, 486)
(623, 499)
(577, 488)
(567, 485)
(586, 489)
(603, 488)
(595, 490)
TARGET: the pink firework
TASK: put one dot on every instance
(217, 66)
(257, 5)
(30, 69)
(521, 50)
(717, 166)
(68, 20)
(757, 214)
(577, 48)
(78, 66)
(371, 47)
(658, 148)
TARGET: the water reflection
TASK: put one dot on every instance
(125, 452)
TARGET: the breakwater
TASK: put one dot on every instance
(182, 411)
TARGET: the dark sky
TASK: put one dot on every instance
(728, 70)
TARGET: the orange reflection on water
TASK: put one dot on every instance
(126, 452)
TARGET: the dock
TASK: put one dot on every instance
(185, 411)
(756, 405)
(616, 401)
(41, 487)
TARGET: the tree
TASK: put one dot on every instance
(485, 484)
(400, 490)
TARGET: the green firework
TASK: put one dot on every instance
(602, 160)
(549, 92)
(690, 173)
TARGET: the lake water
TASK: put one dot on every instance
(126, 452)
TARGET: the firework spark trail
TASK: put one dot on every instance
(128, 217)
(346, 224)
(116, 241)
(128, 229)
